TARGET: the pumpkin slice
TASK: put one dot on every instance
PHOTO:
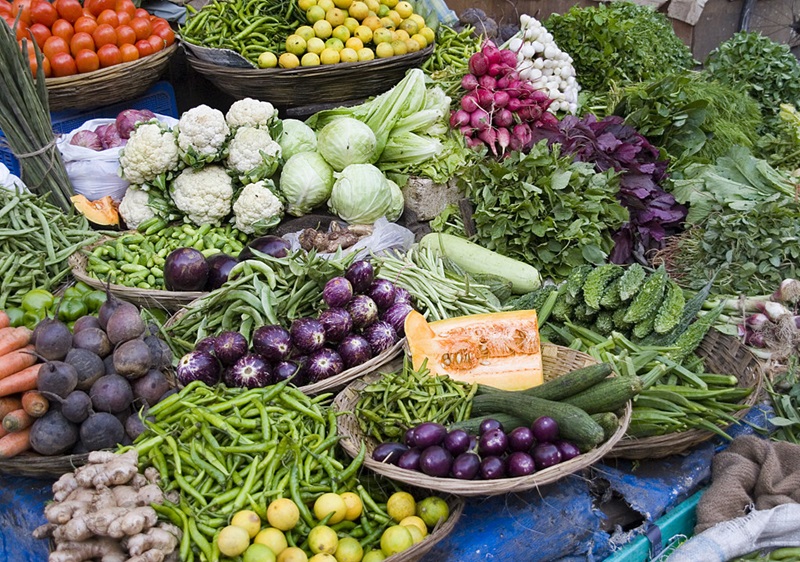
(501, 349)
(101, 212)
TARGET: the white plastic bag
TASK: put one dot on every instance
(95, 173)
(9, 181)
(385, 236)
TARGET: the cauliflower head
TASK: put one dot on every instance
(253, 153)
(257, 209)
(251, 113)
(135, 208)
(202, 133)
(203, 195)
(151, 151)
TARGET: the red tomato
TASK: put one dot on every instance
(63, 29)
(97, 6)
(166, 34)
(53, 46)
(45, 65)
(129, 52)
(141, 13)
(80, 41)
(25, 7)
(22, 28)
(142, 28)
(87, 60)
(126, 6)
(144, 47)
(125, 35)
(104, 35)
(63, 65)
(109, 55)
(108, 16)
(40, 33)
(85, 24)
(28, 46)
(43, 12)
(70, 10)
(5, 7)
(88, 14)
(157, 42)
(123, 17)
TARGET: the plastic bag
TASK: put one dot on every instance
(9, 181)
(95, 173)
(385, 236)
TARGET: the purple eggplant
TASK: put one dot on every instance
(185, 269)
(381, 336)
(198, 366)
(457, 442)
(323, 364)
(395, 316)
(354, 350)
(361, 274)
(489, 424)
(408, 437)
(284, 370)
(493, 468)
(493, 443)
(273, 342)
(206, 344)
(546, 455)
(251, 371)
(428, 434)
(308, 334)
(382, 292)
(337, 324)
(230, 347)
(363, 311)
(337, 292)
(567, 449)
(274, 246)
(410, 459)
(545, 428)
(520, 464)
(466, 466)
(521, 439)
(219, 267)
(401, 295)
(389, 452)
(436, 461)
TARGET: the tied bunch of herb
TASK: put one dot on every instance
(781, 145)
(618, 42)
(545, 209)
(609, 144)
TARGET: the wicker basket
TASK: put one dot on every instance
(723, 354)
(557, 361)
(34, 465)
(147, 298)
(416, 552)
(326, 84)
(108, 85)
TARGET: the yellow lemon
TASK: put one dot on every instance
(343, 4)
(414, 521)
(267, 59)
(387, 23)
(419, 19)
(283, 513)
(389, 3)
(322, 539)
(419, 38)
(400, 35)
(335, 17)
(429, 35)
(248, 520)
(409, 26)
(363, 34)
(352, 501)
(396, 539)
(348, 550)
(293, 554)
(295, 45)
(322, 557)
(305, 31)
(326, 5)
(335, 44)
(330, 503)
(348, 55)
(354, 43)
(351, 24)
(306, 4)
(315, 45)
(381, 35)
(258, 553)
(359, 10)
(366, 54)
(341, 33)
(310, 59)
(395, 17)
(399, 47)
(323, 29)
(412, 46)
(374, 556)
(400, 505)
(329, 56)
(288, 60)
(373, 5)
(416, 534)
(233, 540)
(372, 22)
(315, 14)
(272, 538)
(405, 9)
(384, 50)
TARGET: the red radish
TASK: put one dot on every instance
(480, 120)
(469, 103)
(515, 144)
(474, 142)
(509, 57)
(492, 53)
(466, 130)
(459, 119)
(501, 98)
(503, 118)
(487, 82)
(539, 96)
(503, 139)
(548, 119)
(469, 82)
(485, 98)
(489, 136)
(514, 104)
(530, 112)
(522, 131)
(497, 69)
(478, 65)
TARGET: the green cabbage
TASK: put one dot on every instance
(296, 137)
(398, 202)
(361, 195)
(306, 182)
(347, 141)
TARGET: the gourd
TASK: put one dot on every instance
(101, 212)
(500, 349)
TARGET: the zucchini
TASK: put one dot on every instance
(563, 386)
(473, 425)
(477, 260)
(608, 421)
(607, 396)
(573, 423)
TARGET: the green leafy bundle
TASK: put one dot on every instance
(544, 209)
(780, 146)
(617, 43)
(689, 116)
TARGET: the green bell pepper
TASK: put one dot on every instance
(94, 300)
(15, 316)
(37, 299)
(71, 309)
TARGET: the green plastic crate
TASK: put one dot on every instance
(676, 523)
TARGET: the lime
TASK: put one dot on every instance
(329, 56)
(335, 17)
(363, 34)
(400, 505)
(335, 44)
(412, 46)
(305, 31)
(373, 5)
(267, 60)
(233, 540)
(306, 4)
(288, 60)
(352, 500)
(293, 554)
(416, 534)
(330, 503)
(323, 29)
(272, 538)
(365, 54)
(351, 24)
(282, 513)
(387, 22)
(374, 556)
(310, 59)
(399, 47)
(414, 521)
(381, 35)
(396, 539)
(389, 3)
(315, 14)
(295, 45)
(383, 11)
(258, 553)
(432, 509)
(428, 34)
(349, 550)
(405, 9)
(322, 539)
(248, 520)
(348, 55)
(341, 33)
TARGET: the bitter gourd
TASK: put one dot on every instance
(611, 299)
(596, 282)
(603, 323)
(689, 314)
(574, 283)
(533, 300)
(618, 317)
(645, 327)
(631, 281)
(649, 297)
(669, 313)
(688, 341)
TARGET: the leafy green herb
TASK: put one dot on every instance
(781, 145)
(618, 42)
(544, 209)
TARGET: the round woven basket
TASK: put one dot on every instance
(723, 354)
(148, 298)
(34, 465)
(556, 361)
(318, 85)
(108, 85)
(416, 552)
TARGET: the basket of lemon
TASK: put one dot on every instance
(333, 51)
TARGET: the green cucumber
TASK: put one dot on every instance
(608, 421)
(477, 260)
(473, 425)
(607, 396)
(563, 386)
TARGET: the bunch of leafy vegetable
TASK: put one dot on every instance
(768, 71)
(780, 146)
(689, 116)
(610, 144)
(617, 43)
(544, 208)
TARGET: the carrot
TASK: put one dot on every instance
(12, 339)
(5, 321)
(17, 421)
(8, 404)
(34, 404)
(25, 379)
(15, 443)
(16, 361)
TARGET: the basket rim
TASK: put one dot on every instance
(34, 465)
(351, 443)
(124, 67)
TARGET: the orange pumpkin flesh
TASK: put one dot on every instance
(500, 349)
(102, 212)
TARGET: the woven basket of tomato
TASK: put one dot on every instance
(94, 54)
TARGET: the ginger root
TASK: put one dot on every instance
(165, 537)
(64, 486)
(61, 513)
(117, 470)
(104, 548)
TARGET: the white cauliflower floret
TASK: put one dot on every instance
(203, 195)
(202, 132)
(151, 150)
(134, 207)
(257, 209)
(251, 113)
(252, 152)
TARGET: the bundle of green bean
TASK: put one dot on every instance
(677, 394)
(439, 289)
(36, 238)
(260, 291)
(227, 449)
(137, 259)
(407, 398)
(785, 554)
(249, 27)
(449, 62)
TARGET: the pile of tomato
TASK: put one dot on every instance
(75, 38)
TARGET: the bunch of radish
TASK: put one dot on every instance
(500, 109)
